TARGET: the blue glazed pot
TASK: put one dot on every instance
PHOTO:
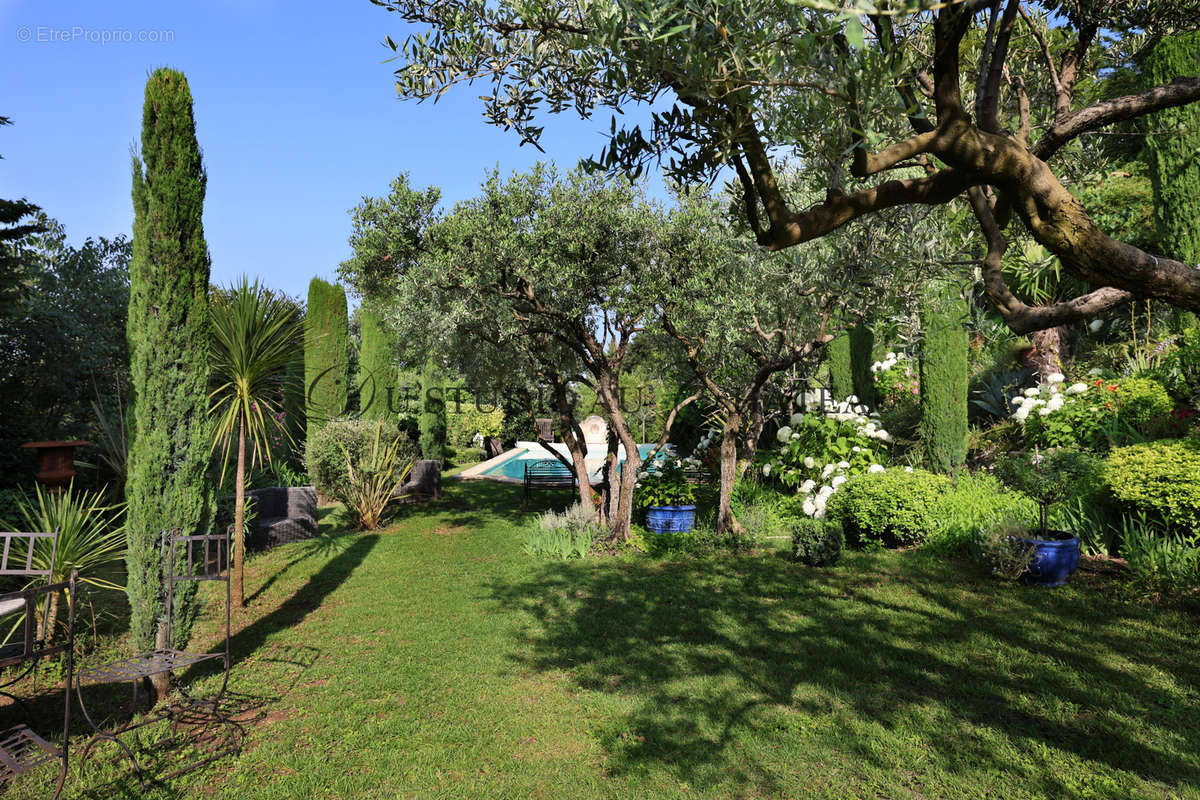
(1054, 560)
(670, 519)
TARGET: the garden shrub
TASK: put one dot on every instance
(1161, 478)
(817, 542)
(896, 384)
(326, 459)
(463, 425)
(889, 508)
(1143, 404)
(1093, 416)
(974, 502)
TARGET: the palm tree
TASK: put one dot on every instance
(255, 335)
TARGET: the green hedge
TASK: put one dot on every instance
(889, 508)
(1161, 478)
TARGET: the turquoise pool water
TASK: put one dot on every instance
(515, 467)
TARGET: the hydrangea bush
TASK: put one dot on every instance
(821, 449)
(1092, 416)
(896, 382)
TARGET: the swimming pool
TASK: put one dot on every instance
(510, 465)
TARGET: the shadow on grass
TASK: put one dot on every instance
(718, 655)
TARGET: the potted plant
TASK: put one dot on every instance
(1048, 476)
(668, 498)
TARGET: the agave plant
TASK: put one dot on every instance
(91, 537)
(372, 481)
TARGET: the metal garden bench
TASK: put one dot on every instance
(189, 558)
(21, 748)
(547, 474)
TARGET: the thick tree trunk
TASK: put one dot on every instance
(730, 432)
(609, 394)
(1049, 351)
(237, 575)
(572, 437)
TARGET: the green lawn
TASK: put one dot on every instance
(436, 660)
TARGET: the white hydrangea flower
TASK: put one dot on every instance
(1021, 414)
(856, 449)
(1076, 388)
(809, 462)
(820, 514)
(809, 507)
(843, 465)
(784, 434)
(1095, 325)
(1045, 411)
(829, 468)
(1034, 392)
(796, 420)
(808, 486)
(824, 492)
(908, 469)
(1055, 378)
(643, 475)
(766, 470)
(837, 481)
(875, 468)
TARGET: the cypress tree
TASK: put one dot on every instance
(1173, 150)
(293, 405)
(326, 354)
(377, 370)
(841, 378)
(168, 329)
(944, 377)
(862, 346)
(432, 421)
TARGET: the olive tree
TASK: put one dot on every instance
(740, 316)
(547, 269)
(894, 104)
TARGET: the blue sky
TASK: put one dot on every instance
(295, 111)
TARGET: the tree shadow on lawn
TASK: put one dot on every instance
(476, 503)
(716, 654)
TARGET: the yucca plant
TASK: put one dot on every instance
(372, 481)
(91, 537)
(254, 338)
(112, 442)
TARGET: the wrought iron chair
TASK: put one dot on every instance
(189, 558)
(21, 748)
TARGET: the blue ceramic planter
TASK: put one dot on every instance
(670, 519)
(1053, 560)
